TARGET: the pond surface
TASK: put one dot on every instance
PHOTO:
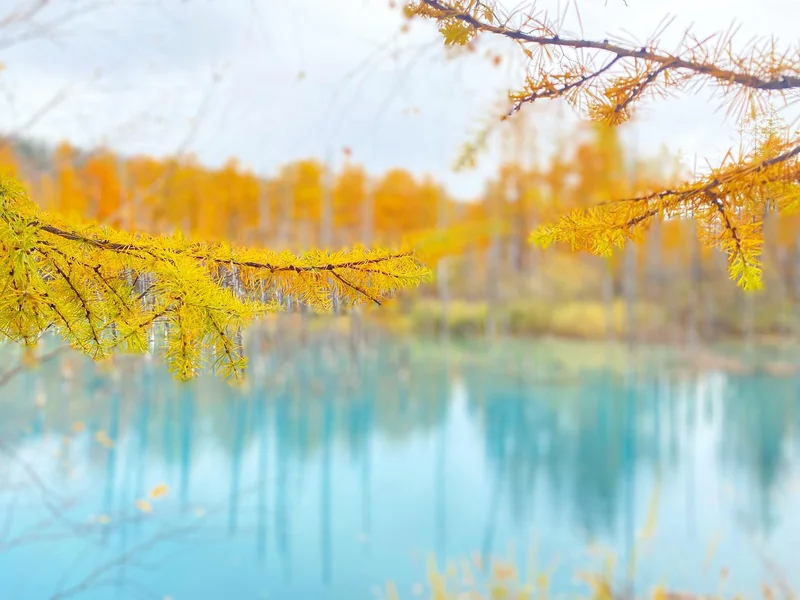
(326, 477)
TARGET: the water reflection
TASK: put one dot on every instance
(326, 475)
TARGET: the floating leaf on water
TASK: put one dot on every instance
(102, 438)
(159, 491)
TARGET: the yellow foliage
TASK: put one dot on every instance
(606, 79)
(728, 205)
(103, 290)
(456, 33)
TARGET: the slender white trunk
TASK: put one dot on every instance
(608, 299)
(326, 225)
(629, 284)
(442, 287)
(263, 213)
(368, 217)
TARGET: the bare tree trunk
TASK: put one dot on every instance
(442, 287)
(655, 275)
(287, 213)
(263, 213)
(493, 263)
(773, 261)
(513, 249)
(696, 276)
(124, 208)
(326, 226)
(367, 236)
(368, 217)
(305, 244)
(608, 299)
(629, 286)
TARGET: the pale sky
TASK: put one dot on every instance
(136, 72)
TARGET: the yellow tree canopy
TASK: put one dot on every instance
(101, 289)
(606, 79)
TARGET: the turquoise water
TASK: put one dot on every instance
(327, 477)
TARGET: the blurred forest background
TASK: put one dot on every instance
(490, 280)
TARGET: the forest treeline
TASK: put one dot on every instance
(490, 278)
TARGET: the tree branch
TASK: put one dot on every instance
(726, 76)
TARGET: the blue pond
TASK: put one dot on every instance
(326, 477)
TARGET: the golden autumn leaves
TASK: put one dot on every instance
(729, 204)
(103, 290)
(605, 79)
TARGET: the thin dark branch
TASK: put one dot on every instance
(726, 76)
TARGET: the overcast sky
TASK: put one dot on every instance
(303, 78)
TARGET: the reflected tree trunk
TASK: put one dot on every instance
(262, 424)
(240, 421)
(187, 417)
(366, 470)
(630, 293)
(325, 495)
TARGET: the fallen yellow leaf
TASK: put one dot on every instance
(102, 438)
(159, 491)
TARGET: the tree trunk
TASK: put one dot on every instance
(629, 287)
(655, 267)
(263, 213)
(492, 276)
(696, 276)
(442, 287)
(326, 226)
(608, 299)
(368, 218)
